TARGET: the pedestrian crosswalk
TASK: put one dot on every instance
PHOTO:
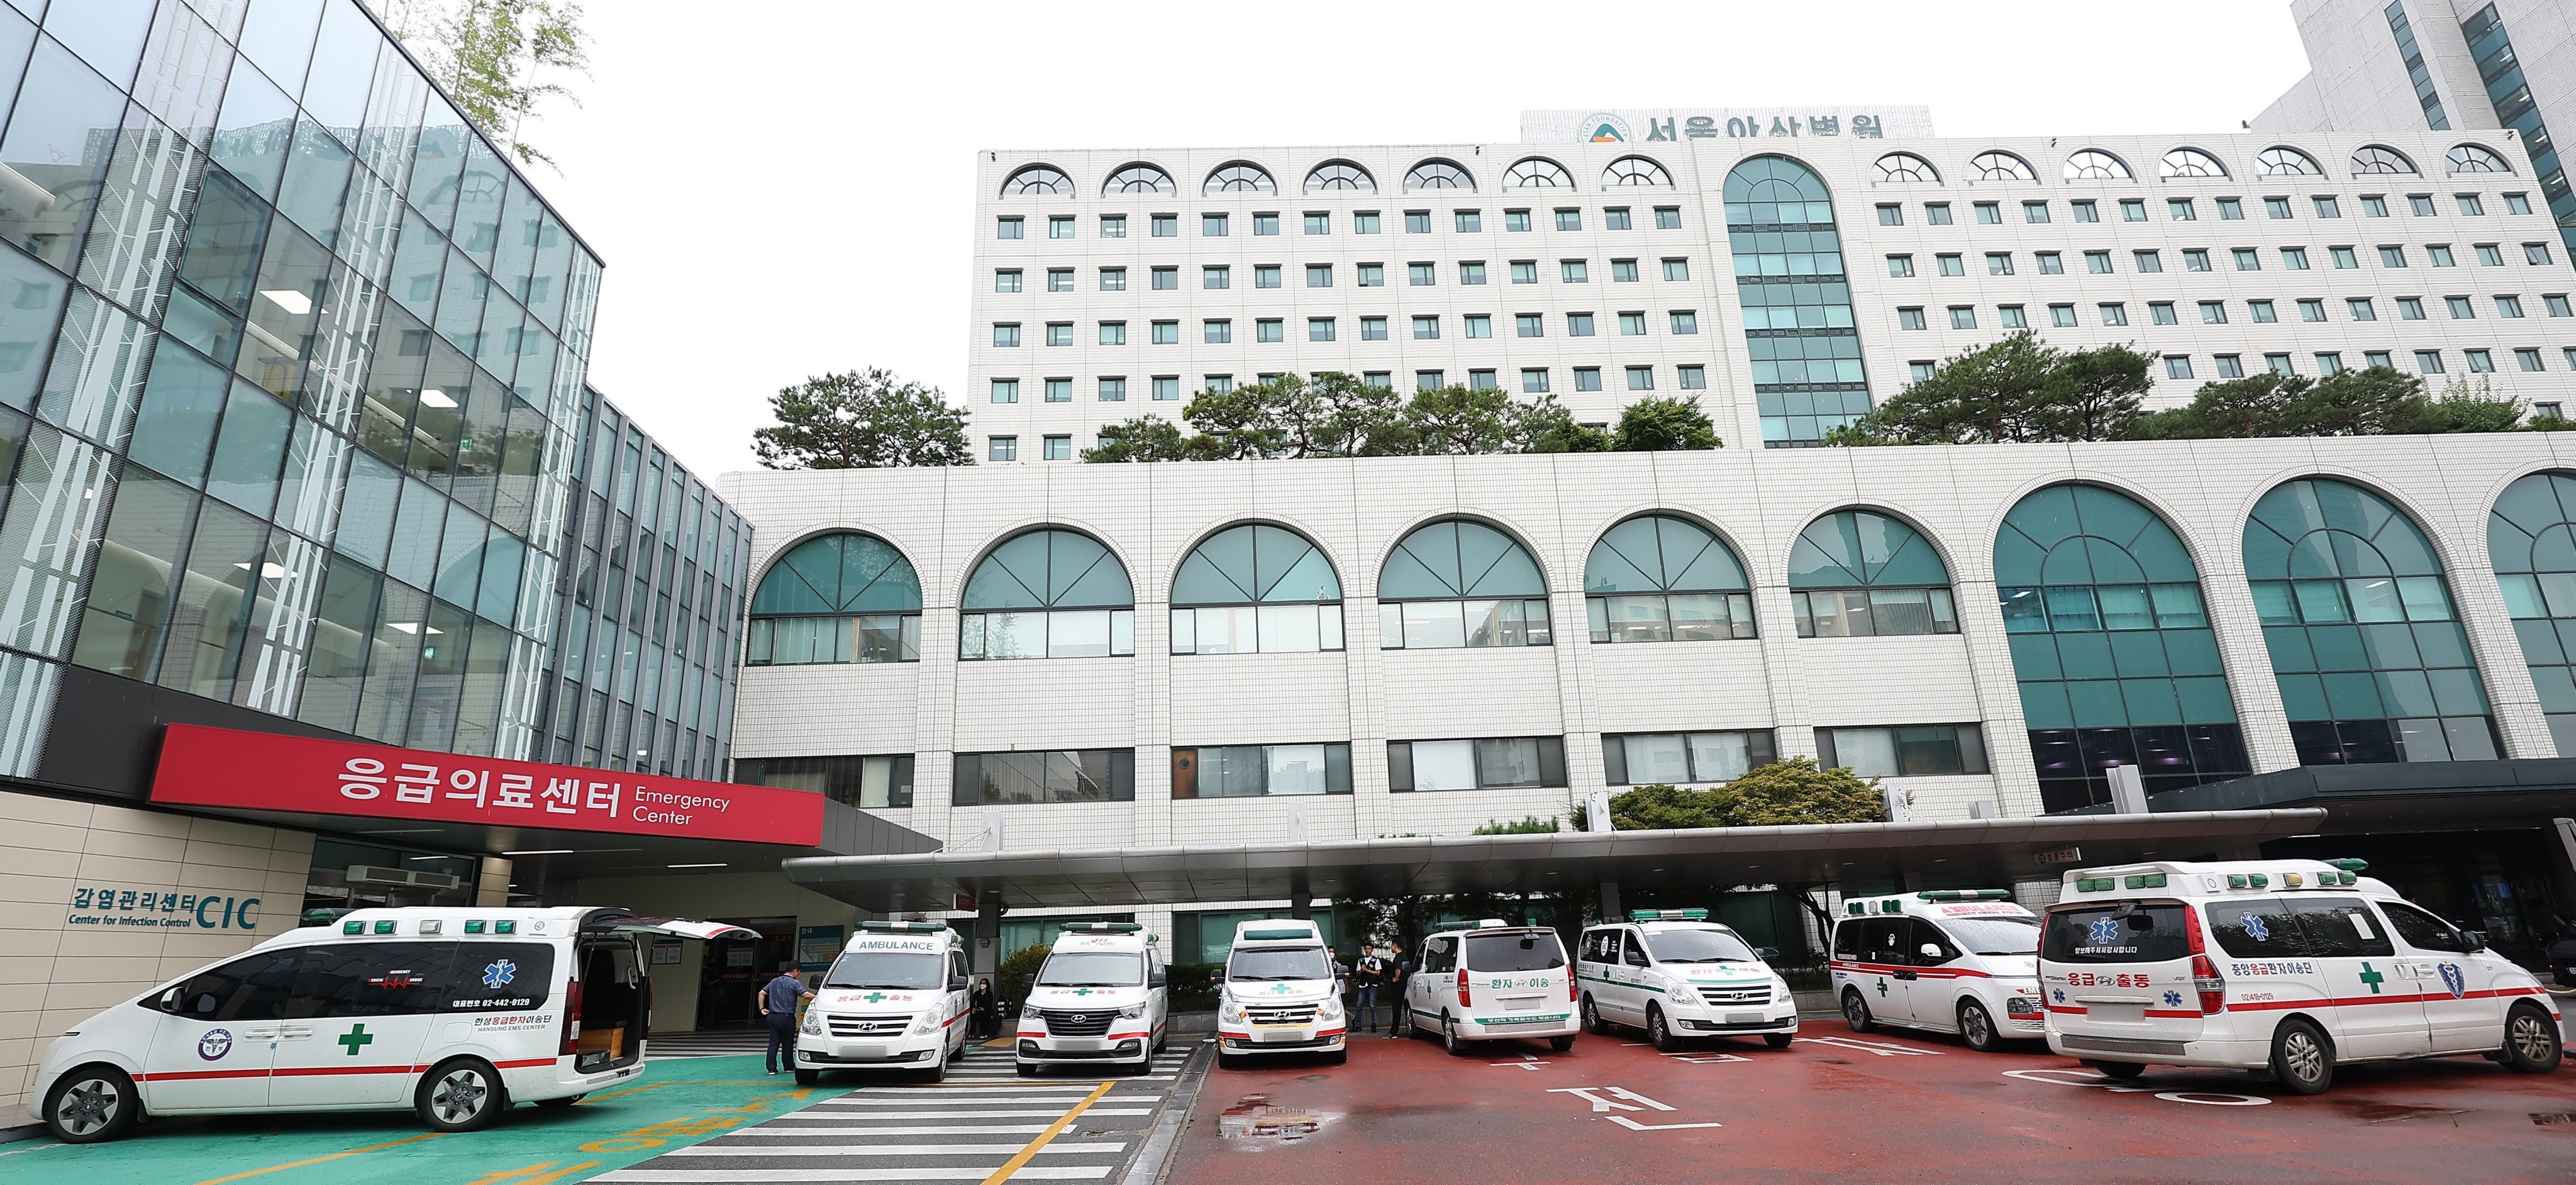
(715, 1043)
(986, 1123)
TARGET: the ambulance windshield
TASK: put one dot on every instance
(1698, 946)
(1278, 963)
(1995, 936)
(1092, 969)
(887, 969)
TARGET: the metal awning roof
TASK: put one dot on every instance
(1984, 851)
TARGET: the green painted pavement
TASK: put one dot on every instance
(673, 1104)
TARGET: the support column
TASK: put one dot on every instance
(988, 933)
(1610, 911)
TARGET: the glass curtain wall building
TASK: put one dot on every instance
(290, 377)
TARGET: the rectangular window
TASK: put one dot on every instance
(2428, 361)
(2148, 261)
(2161, 312)
(1678, 758)
(1212, 226)
(2115, 313)
(1216, 333)
(2312, 310)
(2378, 358)
(1002, 448)
(1909, 318)
(1569, 220)
(1060, 226)
(1530, 324)
(1429, 380)
(1670, 217)
(1678, 270)
(2085, 210)
(1900, 266)
(1260, 771)
(1006, 280)
(1043, 777)
(2437, 254)
(1479, 325)
(1641, 378)
(2558, 306)
(2279, 364)
(1319, 222)
(1167, 387)
(1623, 271)
(2516, 203)
(1632, 325)
(1006, 390)
(1587, 378)
(1990, 213)
(2231, 209)
(1372, 275)
(1471, 272)
(2276, 207)
(1574, 271)
(1059, 333)
(1113, 333)
(2061, 316)
(2395, 256)
(2261, 312)
(2359, 308)
(1372, 329)
(1265, 224)
(2374, 205)
(1167, 279)
(2133, 210)
(2508, 306)
(2536, 254)
(1319, 329)
(1269, 329)
(1524, 271)
(1265, 275)
(1858, 612)
(1912, 751)
(1891, 214)
(2461, 308)
(1059, 390)
(2034, 212)
(1059, 279)
(1578, 325)
(2050, 263)
(2480, 361)
(1216, 275)
(1516, 220)
(2180, 210)
(2410, 308)
(2420, 204)
(1113, 279)
(2470, 206)
(2195, 259)
(2247, 259)
(1963, 316)
(2013, 317)
(1421, 275)
(1417, 222)
(2490, 255)
(1006, 334)
(1006, 228)
(2177, 366)
(1426, 328)
(1113, 226)
(2326, 207)
(2294, 258)
(1219, 383)
(1470, 222)
(2344, 258)
(1319, 275)
(1999, 263)
(1113, 389)
(1936, 213)
(1493, 764)
(1691, 378)
(1534, 380)
(2230, 366)
(2097, 262)
(2527, 359)
(1364, 222)
(1167, 333)
(1166, 226)
(1951, 265)
(2329, 363)
(2213, 312)
(1921, 369)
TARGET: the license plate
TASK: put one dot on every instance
(1744, 1018)
(1271, 1035)
(1080, 1044)
(863, 1051)
(2129, 1014)
(1524, 1020)
(1520, 1005)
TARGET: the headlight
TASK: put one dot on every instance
(1231, 1011)
(813, 1025)
(927, 1022)
(1332, 1009)
(1132, 1012)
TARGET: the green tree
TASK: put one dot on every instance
(1658, 424)
(862, 419)
(2092, 394)
(2235, 409)
(1794, 791)
(1147, 438)
(1547, 427)
(1458, 421)
(1533, 825)
(1661, 806)
(1012, 979)
(1994, 393)
(1239, 424)
(1338, 415)
(2470, 405)
(493, 54)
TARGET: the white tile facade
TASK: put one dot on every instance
(1698, 169)
(1150, 516)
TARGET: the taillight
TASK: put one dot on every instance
(2204, 974)
(572, 1020)
(1465, 1000)
(1571, 994)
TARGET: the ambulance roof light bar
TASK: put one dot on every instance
(1668, 915)
(1966, 895)
(1104, 927)
(905, 927)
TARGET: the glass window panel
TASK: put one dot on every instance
(336, 665)
(317, 175)
(60, 136)
(1900, 611)
(438, 163)
(129, 596)
(182, 404)
(212, 604)
(1867, 752)
(1078, 634)
(1486, 623)
(1700, 617)
(1657, 757)
(1720, 756)
(2375, 600)
(1638, 619)
(1507, 762)
(2072, 608)
(460, 558)
(1290, 628)
(2125, 607)
(251, 451)
(1432, 624)
(1297, 769)
(1444, 765)
(2321, 601)
(413, 558)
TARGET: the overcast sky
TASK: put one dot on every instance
(783, 188)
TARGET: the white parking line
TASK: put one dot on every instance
(814, 1176)
(979, 1101)
(799, 1133)
(954, 1113)
(1002, 1150)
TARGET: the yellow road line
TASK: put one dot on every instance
(320, 1159)
(1039, 1141)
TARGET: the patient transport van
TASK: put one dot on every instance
(455, 1013)
(1280, 995)
(1493, 981)
(1677, 975)
(1959, 961)
(896, 999)
(1101, 996)
(2287, 967)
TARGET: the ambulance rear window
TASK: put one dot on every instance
(1537, 951)
(2117, 934)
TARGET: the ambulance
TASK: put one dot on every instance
(1102, 996)
(2283, 967)
(1494, 981)
(1677, 975)
(1280, 995)
(896, 999)
(455, 1013)
(1962, 961)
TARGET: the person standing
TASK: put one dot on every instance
(1366, 979)
(980, 1006)
(778, 1000)
(1399, 972)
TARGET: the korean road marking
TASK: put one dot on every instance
(1881, 1048)
(1600, 1105)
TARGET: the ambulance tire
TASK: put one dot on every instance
(1659, 1032)
(1592, 1021)
(1778, 1040)
(570, 1099)
(1228, 1061)
(2302, 1057)
(2531, 1044)
(105, 1111)
(805, 1077)
(1564, 1044)
(2118, 1071)
(1977, 1027)
(1449, 1038)
(938, 1071)
(1856, 1011)
(460, 1095)
(1027, 1070)
(1338, 1057)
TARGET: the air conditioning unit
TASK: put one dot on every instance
(412, 878)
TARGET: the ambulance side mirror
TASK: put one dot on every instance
(2477, 940)
(1159, 978)
(1930, 950)
(956, 983)
(1766, 953)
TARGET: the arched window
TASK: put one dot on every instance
(2376, 160)
(2001, 166)
(1461, 583)
(1660, 578)
(1256, 589)
(2372, 662)
(2285, 161)
(1635, 170)
(836, 598)
(1438, 174)
(2475, 158)
(1537, 172)
(1029, 179)
(2112, 647)
(1905, 168)
(2190, 162)
(1138, 178)
(1339, 174)
(2531, 541)
(1047, 593)
(1240, 177)
(2093, 164)
(1809, 383)
(1858, 574)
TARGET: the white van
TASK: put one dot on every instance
(455, 1013)
(1280, 995)
(1675, 974)
(1962, 961)
(2284, 966)
(1102, 996)
(1493, 981)
(896, 999)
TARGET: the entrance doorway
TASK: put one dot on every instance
(730, 976)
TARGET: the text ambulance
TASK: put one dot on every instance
(896, 999)
(1959, 961)
(2283, 966)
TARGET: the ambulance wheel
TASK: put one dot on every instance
(570, 1099)
(1977, 1027)
(1659, 1032)
(1778, 1040)
(1856, 1012)
(2302, 1058)
(461, 1095)
(91, 1104)
(1027, 1070)
(1339, 1057)
(1592, 1021)
(2118, 1071)
(938, 1071)
(2530, 1041)
(1449, 1038)
(805, 1077)
(1561, 1044)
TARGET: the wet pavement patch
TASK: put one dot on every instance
(1254, 1117)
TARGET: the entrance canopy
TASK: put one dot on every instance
(1993, 852)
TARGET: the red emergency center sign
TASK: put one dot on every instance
(222, 767)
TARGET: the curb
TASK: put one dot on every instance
(1154, 1160)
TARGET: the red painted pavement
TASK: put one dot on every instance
(1897, 1106)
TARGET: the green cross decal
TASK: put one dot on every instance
(356, 1037)
(1082, 991)
(1882, 989)
(1278, 989)
(873, 997)
(2372, 977)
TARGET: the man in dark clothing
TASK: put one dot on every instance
(1399, 973)
(778, 1000)
(1365, 980)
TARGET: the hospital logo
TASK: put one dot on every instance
(499, 974)
(1601, 127)
(215, 1044)
(2454, 980)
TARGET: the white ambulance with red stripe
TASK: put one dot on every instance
(2284, 967)
(896, 999)
(1950, 960)
(1103, 996)
(455, 1013)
